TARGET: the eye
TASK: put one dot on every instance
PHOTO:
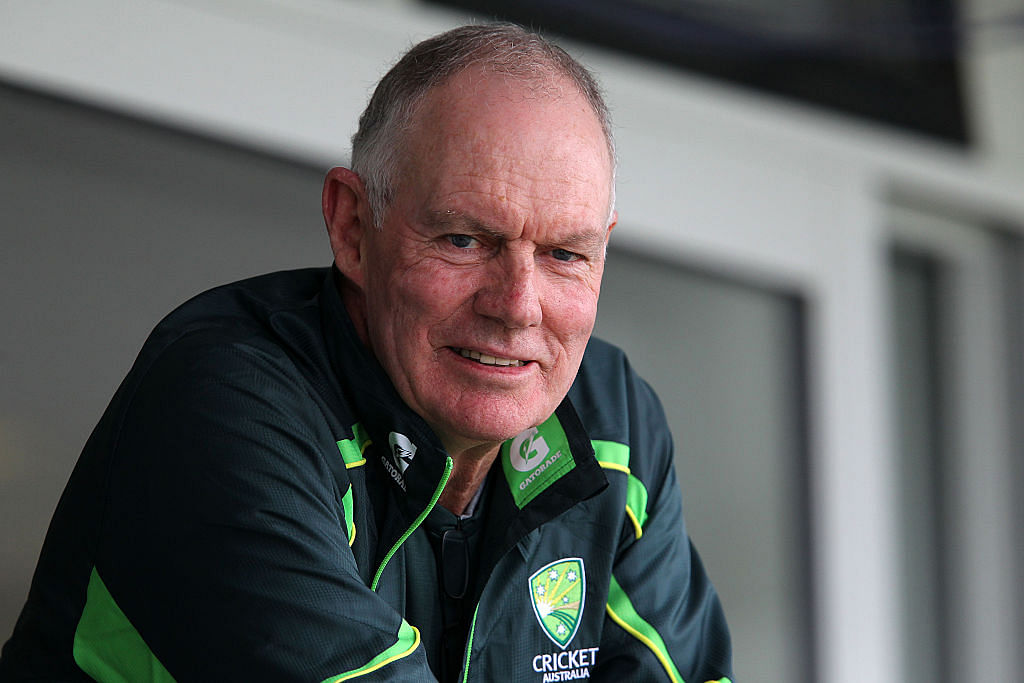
(565, 255)
(463, 241)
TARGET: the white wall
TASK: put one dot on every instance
(739, 183)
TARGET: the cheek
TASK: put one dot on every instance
(429, 288)
(573, 313)
(417, 298)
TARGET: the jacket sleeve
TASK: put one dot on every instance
(663, 616)
(223, 554)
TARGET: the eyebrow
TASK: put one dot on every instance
(451, 220)
(583, 239)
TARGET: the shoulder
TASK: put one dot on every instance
(246, 343)
(243, 309)
(616, 404)
(234, 322)
(225, 384)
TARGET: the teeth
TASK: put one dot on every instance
(489, 360)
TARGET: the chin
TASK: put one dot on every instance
(490, 434)
(494, 431)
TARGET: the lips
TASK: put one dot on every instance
(486, 359)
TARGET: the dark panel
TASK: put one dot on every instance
(891, 62)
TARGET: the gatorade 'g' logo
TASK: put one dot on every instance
(528, 450)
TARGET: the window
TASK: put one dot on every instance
(726, 359)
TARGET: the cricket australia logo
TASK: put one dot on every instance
(557, 591)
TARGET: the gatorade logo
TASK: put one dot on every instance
(528, 450)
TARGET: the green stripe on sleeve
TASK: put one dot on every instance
(469, 644)
(362, 437)
(352, 450)
(622, 612)
(636, 503)
(408, 641)
(107, 646)
(612, 455)
(350, 453)
(347, 507)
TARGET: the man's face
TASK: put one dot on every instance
(481, 287)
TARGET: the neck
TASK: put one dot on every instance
(352, 298)
(468, 473)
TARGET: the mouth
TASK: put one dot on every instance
(485, 359)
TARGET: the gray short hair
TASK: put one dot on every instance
(501, 48)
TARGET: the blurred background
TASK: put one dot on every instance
(819, 265)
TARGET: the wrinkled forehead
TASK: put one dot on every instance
(540, 130)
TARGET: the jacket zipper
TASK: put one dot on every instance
(448, 464)
(469, 643)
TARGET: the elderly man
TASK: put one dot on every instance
(416, 465)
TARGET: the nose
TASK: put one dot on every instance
(510, 293)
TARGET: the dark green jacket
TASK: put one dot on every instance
(240, 514)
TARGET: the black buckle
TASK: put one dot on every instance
(454, 563)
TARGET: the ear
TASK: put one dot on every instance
(347, 215)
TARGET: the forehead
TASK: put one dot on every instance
(512, 144)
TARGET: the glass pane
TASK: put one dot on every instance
(726, 358)
(108, 224)
(1013, 268)
(922, 455)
